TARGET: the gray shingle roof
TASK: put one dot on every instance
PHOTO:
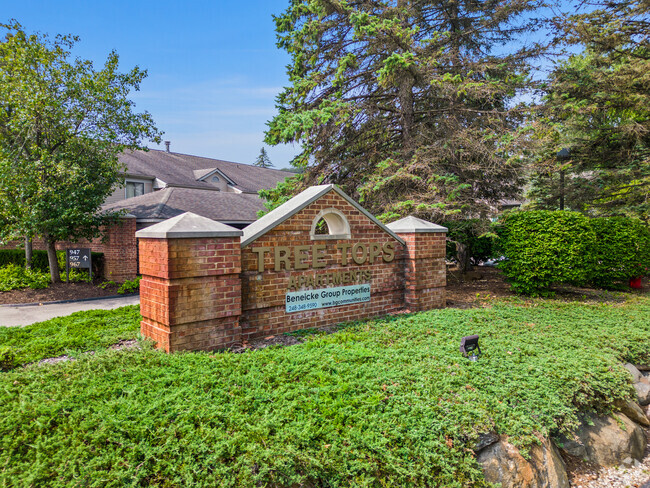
(170, 202)
(179, 170)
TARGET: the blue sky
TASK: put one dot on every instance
(214, 69)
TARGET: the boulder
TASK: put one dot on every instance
(502, 463)
(573, 447)
(606, 443)
(634, 412)
(642, 392)
(485, 440)
(634, 372)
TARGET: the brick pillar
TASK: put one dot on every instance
(120, 251)
(190, 293)
(425, 272)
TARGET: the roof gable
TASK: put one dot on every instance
(278, 215)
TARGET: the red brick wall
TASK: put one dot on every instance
(263, 304)
(119, 246)
(425, 271)
(190, 293)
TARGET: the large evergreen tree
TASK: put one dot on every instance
(62, 125)
(597, 105)
(407, 104)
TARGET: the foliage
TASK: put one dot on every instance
(106, 284)
(62, 125)
(383, 403)
(263, 160)
(17, 257)
(283, 192)
(597, 105)
(73, 334)
(408, 106)
(39, 260)
(480, 245)
(7, 359)
(545, 247)
(130, 286)
(621, 250)
(14, 277)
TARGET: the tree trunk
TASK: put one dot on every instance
(462, 252)
(28, 252)
(51, 259)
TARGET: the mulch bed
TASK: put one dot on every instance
(58, 291)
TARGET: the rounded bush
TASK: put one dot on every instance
(621, 250)
(544, 247)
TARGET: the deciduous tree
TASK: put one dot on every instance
(62, 125)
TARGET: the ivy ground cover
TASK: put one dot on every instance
(381, 403)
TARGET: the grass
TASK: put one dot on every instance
(71, 335)
(381, 403)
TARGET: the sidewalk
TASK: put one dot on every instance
(19, 315)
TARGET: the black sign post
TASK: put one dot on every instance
(78, 258)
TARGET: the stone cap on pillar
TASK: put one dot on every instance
(411, 225)
(188, 225)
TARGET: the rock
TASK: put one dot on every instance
(606, 443)
(643, 393)
(502, 463)
(634, 372)
(485, 440)
(574, 447)
(634, 412)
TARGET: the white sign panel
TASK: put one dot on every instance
(299, 301)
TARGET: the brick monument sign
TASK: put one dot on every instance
(319, 259)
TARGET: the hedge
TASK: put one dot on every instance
(621, 250)
(552, 247)
(39, 260)
(545, 247)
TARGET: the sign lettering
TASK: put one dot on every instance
(300, 301)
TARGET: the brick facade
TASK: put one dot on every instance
(263, 303)
(425, 271)
(212, 292)
(118, 244)
(192, 292)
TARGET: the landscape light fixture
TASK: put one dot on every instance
(470, 344)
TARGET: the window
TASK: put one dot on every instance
(215, 179)
(134, 189)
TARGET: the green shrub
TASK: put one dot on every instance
(544, 247)
(39, 260)
(621, 250)
(14, 277)
(130, 286)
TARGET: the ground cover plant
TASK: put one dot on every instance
(79, 332)
(14, 277)
(382, 403)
